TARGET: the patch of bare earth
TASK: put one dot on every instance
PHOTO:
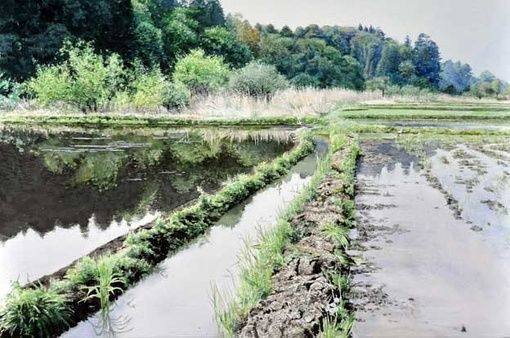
(302, 292)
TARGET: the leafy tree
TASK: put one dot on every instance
(222, 42)
(86, 79)
(427, 60)
(32, 31)
(180, 32)
(378, 83)
(200, 73)
(367, 49)
(245, 33)
(257, 80)
(455, 77)
(148, 37)
(390, 61)
(209, 12)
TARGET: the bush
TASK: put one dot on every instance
(10, 92)
(258, 80)
(150, 89)
(33, 312)
(86, 80)
(201, 73)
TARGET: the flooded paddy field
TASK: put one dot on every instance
(433, 237)
(178, 298)
(66, 192)
(457, 125)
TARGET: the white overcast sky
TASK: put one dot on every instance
(473, 31)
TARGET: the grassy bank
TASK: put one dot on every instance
(90, 284)
(256, 278)
(121, 121)
(461, 111)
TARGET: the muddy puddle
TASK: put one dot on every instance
(63, 194)
(433, 242)
(177, 300)
(430, 123)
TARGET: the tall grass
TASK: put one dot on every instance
(34, 312)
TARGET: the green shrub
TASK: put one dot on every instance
(150, 89)
(178, 96)
(257, 79)
(201, 73)
(86, 80)
(34, 312)
(10, 92)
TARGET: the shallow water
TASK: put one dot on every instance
(430, 123)
(177, 301)
(64, 194)
(423, 271)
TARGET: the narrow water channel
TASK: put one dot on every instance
(425, 268)
(177, 300)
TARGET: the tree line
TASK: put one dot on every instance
(155, 34)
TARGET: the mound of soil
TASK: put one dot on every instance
(302, 292)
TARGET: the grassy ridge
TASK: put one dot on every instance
(256, 276)
(111, 121)
(437, 112)
(92, 283)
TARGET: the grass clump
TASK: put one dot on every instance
(34, 312)
(107, 282)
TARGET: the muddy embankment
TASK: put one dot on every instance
(433, 258)
(303, 294)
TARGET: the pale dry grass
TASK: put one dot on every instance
(290, 102)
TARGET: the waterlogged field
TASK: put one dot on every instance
(185, 284)
(433, 237)
(63, 193)
(397, 225)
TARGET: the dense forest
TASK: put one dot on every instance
(152, 36)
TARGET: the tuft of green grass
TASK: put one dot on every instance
(35, 311)
(337, 234)
(107, 281)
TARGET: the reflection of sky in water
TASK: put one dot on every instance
(30, 255)
(436, 273)
(476, 189)
(64, 194)
(177, 300)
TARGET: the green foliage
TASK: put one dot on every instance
(10, 92)
(311, 61)
(257, 80)
(32, 31)
(201, 73)
(152, 90)
(107, 282)
(220, 41)
(86, 79)
(34, 311)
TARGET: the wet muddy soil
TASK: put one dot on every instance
(423, 268)
(178, 298)
(303, 294)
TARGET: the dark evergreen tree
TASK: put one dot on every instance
(427, 60)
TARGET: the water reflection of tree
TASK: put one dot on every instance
(52, 181)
